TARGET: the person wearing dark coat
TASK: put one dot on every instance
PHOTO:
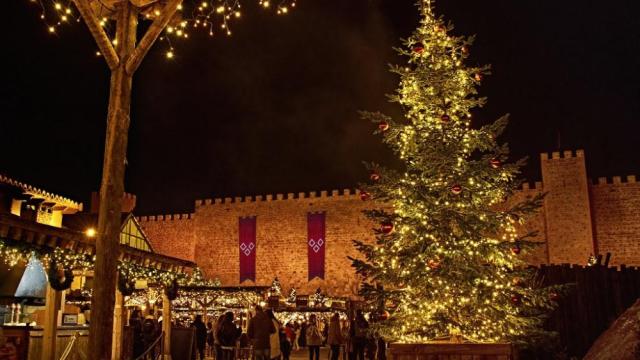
(135, 322)
(201, 335)
(260, 329)
(228, 335)
(359, 335)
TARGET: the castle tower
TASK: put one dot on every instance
(567, 207)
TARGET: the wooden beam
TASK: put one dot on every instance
(151, 35)
(116, 350)
(166, 326)
(49, 336)
(102, 40)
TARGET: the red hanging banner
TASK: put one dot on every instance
(247, 247)
(316, 244)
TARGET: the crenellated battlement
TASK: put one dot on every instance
(60, 200)
(527, 186)
(168, 217)
(567, 154)
(346, 194)
(615, 180)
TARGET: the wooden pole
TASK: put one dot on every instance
(166, 326)
(112, 188)
(49, 334)
(117, 327)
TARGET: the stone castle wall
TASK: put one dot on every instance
(211, 233)
(578, 219)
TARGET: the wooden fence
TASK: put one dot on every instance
(598, 296)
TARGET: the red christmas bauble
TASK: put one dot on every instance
(433, 264)
(386, 227)
(554, 296)
(383, 126)
(495, 163)
(515, 299)
(517, 282)
(465, 50)
(384, 315)
(456, 189)
(364, 196)
(445, 118)
(516, 249)
(418, 48)
(478, 77)
(374, 176)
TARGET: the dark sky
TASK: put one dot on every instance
(274, 107)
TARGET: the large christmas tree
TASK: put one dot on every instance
(447, 260)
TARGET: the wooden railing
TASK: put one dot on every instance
(67, 350)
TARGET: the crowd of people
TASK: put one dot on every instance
(269, 339)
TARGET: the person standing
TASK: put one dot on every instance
(359, 334)
(303, 334)
(216, 340)
(135, 322)
(210, 340)
(260, 329)
(274, 339)
(296, 342)
(201, 335)
(314, 338)
(228, 335)
(334, 336)
(285, 341)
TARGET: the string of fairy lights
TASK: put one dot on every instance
(209, 16)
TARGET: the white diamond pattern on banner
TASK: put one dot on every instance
(247, 249)
(316, 245)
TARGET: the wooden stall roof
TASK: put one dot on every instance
(16, 229)
(59, 202)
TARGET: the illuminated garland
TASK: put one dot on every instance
(208, 16)
(14, 253)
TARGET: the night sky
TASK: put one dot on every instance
(274, 108)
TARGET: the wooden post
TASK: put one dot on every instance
(112, 188)
(123, 61)
(166, 326)
(49, 334)
(116, 353)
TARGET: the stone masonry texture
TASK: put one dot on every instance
(579, 218)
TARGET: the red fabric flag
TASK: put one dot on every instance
(316, 244)
(247, 248)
